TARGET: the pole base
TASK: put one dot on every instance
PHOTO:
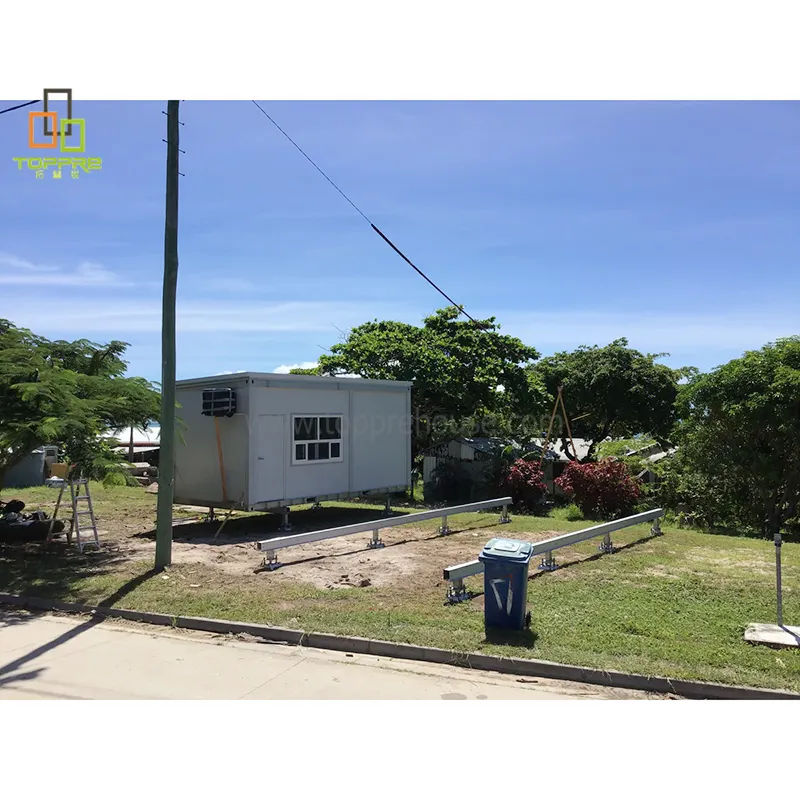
(778, 636)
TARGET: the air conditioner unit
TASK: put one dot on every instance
(219, 402)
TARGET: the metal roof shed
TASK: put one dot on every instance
(259, 441)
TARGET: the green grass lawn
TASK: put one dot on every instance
(675, 605)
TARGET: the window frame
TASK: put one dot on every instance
(299, 462)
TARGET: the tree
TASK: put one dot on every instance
(305, 371)
(739, 436)
(621, 392)
(459, 370)
(66, 392)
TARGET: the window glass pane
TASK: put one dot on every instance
(330, 427)
(323, 450)
(336, 450)
(305, 429)
(312, 452)
(299, 452)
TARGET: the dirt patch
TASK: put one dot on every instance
(411, 557)
(742, 559)
(672, 574)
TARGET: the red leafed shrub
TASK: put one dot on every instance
(604, 490)
(525, 483)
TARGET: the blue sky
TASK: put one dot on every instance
(676, 225)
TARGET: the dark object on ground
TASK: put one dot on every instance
(16, 526)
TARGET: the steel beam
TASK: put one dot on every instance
(545, 548)
(461, 571)
(367, 527)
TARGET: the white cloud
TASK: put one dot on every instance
(122, 315)
(19, 272)
(284, 332)
(13, 262)
(285, 369)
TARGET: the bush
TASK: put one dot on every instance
(695, 499)
(114, 479)
(602, 491)
(525, 483)
(573, 513)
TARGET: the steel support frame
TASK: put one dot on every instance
(548, 562)
(363, 527)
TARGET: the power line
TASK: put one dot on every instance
(367, 219)
(21, 105)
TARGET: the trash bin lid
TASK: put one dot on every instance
(506, 550)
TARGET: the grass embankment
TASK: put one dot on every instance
(675, 606)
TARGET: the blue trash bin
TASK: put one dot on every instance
(505, 583)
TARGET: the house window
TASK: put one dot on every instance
(316, 439)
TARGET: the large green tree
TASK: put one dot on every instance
(611, 391)
(739, 437)
(460, 370)
(65, 392)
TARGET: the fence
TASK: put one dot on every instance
(456, 574)
(270, 546)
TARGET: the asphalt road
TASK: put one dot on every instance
(67, 657)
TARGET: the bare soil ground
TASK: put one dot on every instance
(412, 555)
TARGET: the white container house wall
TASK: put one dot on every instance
(293, 439)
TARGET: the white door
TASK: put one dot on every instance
(271, 458)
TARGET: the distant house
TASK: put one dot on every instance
(652, 455)
(139, 446)
(474, 454)
(32, 470)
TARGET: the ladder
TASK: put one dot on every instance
(78, 511)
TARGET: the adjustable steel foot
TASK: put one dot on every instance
(457, 593)
(548, 563)
(375, 542)
(656, 529)
(504, 518)
(270, 562)
(606, 546)
(444, 528)
(285, 524)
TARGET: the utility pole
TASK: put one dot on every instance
(166, 466)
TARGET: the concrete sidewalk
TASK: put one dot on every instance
(66, 657)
